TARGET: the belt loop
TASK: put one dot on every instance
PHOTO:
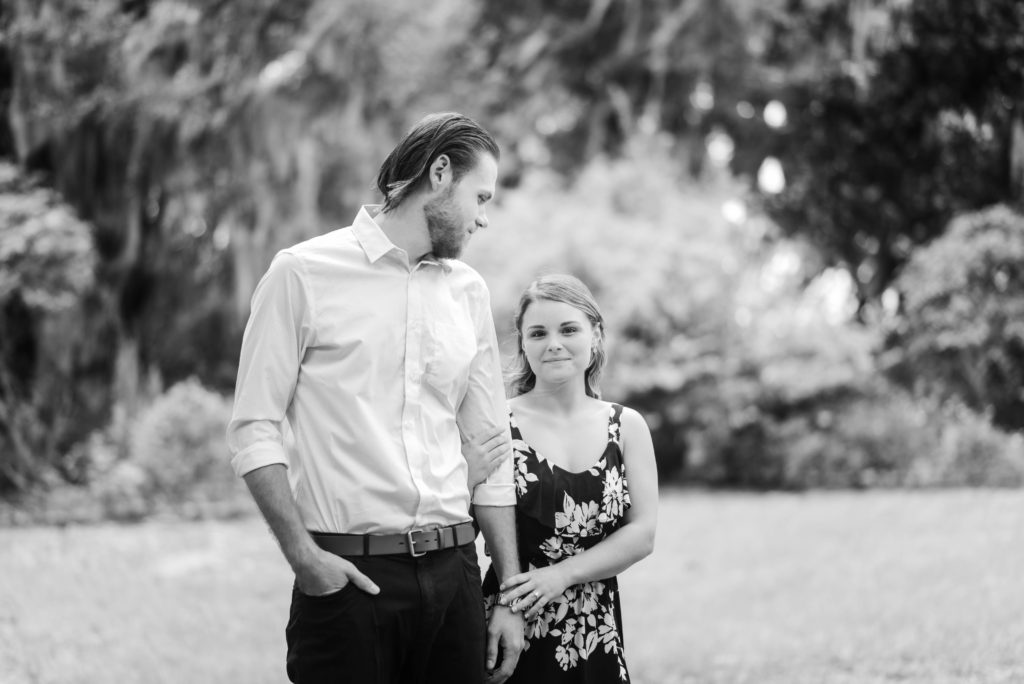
(366, 545)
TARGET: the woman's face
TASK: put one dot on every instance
(557, 340)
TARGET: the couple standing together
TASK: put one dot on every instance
(378, 347)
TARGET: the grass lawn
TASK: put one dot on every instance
(778, 589)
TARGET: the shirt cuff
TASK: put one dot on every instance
(487, 494)
(258, 455)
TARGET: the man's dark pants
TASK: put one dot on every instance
(426, 624)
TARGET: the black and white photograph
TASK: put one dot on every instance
(486, 341)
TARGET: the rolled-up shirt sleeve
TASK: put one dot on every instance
(484, 406)
(276, 337)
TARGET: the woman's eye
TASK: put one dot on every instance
(570, 330)
(536, 334)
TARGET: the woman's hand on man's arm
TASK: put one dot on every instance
(484, 452)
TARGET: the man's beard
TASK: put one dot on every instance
(446, 236)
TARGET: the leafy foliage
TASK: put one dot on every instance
(710, 333)
(747, 365)
(46, 268)
(899, 114)
(609, 70)
(46, 252)
(196, 139)
(885, 144)
(963, 330)
(176, 456)
(200, 138)
(179, 441)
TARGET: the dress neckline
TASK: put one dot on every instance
(552, 465)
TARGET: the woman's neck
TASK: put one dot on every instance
(563, 398)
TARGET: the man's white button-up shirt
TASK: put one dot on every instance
(376, 364)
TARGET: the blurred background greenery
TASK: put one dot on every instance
(802, 218)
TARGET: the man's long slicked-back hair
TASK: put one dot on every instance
(449, 133)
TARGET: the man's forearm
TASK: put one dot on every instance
(269, 487)
(498, 523)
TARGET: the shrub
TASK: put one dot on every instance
(869, 440)
(178, 454)
(963, 329)
(125, 492)
(872, 436)
(47, 259)
(891, 439)
(973, 452)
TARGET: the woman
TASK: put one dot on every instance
(579, 522)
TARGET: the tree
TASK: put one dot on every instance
(899, 115)
(580, 79)
(908, 126)
(197, 139)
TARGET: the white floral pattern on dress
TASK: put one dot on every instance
(582, 621)
(615, 498)
(522, 474)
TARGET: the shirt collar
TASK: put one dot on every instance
(371, 238)
(376, 244)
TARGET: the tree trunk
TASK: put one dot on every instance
(1017, 157)
(246, 262)
(16, 465)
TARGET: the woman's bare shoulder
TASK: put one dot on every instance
(633, 421)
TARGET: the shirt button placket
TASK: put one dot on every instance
(413, 374)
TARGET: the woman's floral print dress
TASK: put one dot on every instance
(578, 636)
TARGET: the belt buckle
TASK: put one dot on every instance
(412, 544)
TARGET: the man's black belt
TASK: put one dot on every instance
(414, 542)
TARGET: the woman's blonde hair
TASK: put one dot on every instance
(568, 290)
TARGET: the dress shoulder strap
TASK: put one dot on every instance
(615, 424)
(514, 427)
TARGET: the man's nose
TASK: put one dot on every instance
(481, 221)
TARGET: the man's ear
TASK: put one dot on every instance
(440, 172)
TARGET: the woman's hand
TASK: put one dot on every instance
(484, 452)
(531, 591)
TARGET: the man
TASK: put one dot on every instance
(379, 349)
